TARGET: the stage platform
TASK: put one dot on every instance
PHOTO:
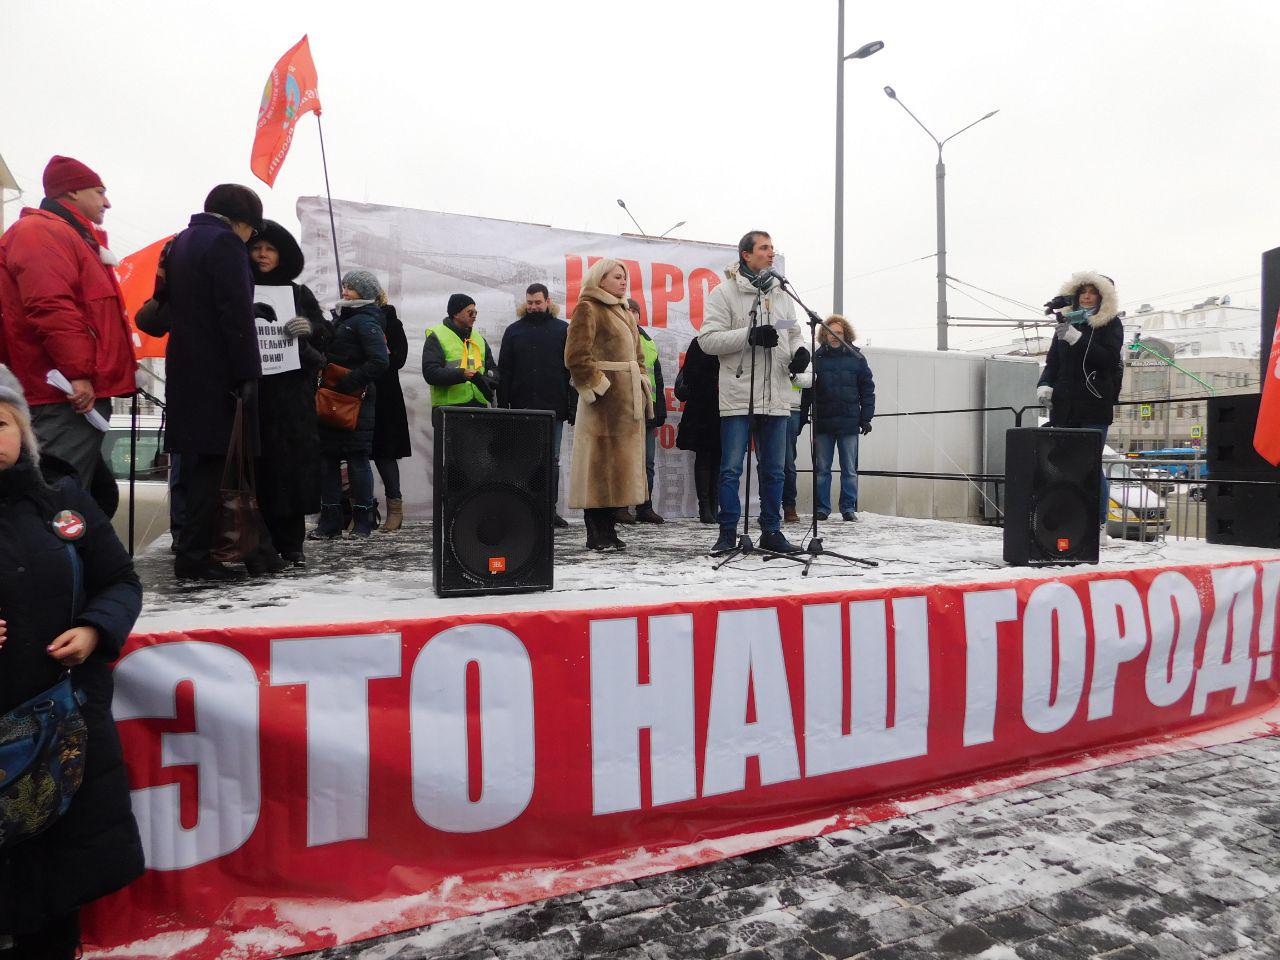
(389, 575)
(336, 753)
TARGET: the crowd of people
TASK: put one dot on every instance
(316, 433)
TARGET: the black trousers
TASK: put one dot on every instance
(287, 531)
(201, 480)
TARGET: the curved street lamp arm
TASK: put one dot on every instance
(974, 124)
(917, 120)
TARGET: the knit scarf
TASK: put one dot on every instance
(752, 277)
(93, 235)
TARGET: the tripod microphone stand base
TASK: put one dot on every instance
(814, 549)
(745, 548)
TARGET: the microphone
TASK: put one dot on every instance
(769, 273)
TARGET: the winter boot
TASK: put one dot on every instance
(364, 518)
(595, 536)
(623, 515)
(395, 515)
(646, 514)
(609, 530)
(789, 514)
(727, 541)
(559, 522)
(775, 541)
(330, 525)
(704, 487)
(848, 516)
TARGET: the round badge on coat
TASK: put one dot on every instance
(69, 525)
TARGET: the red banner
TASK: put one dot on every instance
(1266, 434)
(291, 91)
(137, 273)
(297, 789)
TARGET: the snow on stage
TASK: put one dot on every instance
(337, 754)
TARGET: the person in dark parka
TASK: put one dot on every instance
(288, 467)
(697, 386)
(843, 398)
(531, 370)
(67, 601)
(1084, 370)
(391, 420)
(210, 361)
(360, 346)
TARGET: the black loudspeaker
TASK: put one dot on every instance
(1053, 483)
(1241, 514)
(1230, 454)
(492, 497)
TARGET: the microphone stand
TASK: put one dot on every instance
(814, 548)
(745, 546)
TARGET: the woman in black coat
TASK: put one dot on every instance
(698, 387)
(391, 422)
(288, 468)
(1084, 369)
(68, 598)
(360, 347)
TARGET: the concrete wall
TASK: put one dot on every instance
(915, 381)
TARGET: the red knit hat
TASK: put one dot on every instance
(65, 175)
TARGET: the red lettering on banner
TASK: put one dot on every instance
(413, 754)
(668, 288)
(572, 283)
(701, 282)
(635, 276)
(667, 436)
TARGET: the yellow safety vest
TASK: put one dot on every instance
(650, 359)
(463, 355)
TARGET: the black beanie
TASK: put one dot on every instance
(459, 302)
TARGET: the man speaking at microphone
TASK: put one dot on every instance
(758, 405)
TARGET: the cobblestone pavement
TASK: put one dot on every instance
(1170, 857)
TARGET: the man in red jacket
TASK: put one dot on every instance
(61, 309)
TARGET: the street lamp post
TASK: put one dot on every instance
(940, 172)
(861, 53)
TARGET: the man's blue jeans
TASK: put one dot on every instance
(825, 446)
(650, 455)
(795, 423)
(771, 446)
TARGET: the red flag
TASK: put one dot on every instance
(1266, 435)
(137, 273)
(290, 92)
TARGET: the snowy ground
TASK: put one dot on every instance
(1175, 856)
(389, 576)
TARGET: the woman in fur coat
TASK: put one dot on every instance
(606, 362)
(1083, 371)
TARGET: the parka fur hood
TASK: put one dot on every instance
(845, 327)
(1110, 305)
(554, 309)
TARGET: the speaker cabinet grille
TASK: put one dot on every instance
(1052, 491)
(492, 497)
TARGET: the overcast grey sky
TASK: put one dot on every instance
(1137, 137)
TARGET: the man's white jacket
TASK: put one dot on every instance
(724, 335)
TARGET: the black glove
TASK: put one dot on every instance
(764, 335)
(865, 428)
(488, 385)
(799, 362)
(246, 390)
(1057, 303)
(345, 385)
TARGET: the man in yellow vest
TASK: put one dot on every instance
(653, 368)
(456, 361)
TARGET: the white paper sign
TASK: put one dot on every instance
(279, 352)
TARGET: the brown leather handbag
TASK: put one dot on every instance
(238, 532)
(335, 409)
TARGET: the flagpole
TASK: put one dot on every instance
(333, 229)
